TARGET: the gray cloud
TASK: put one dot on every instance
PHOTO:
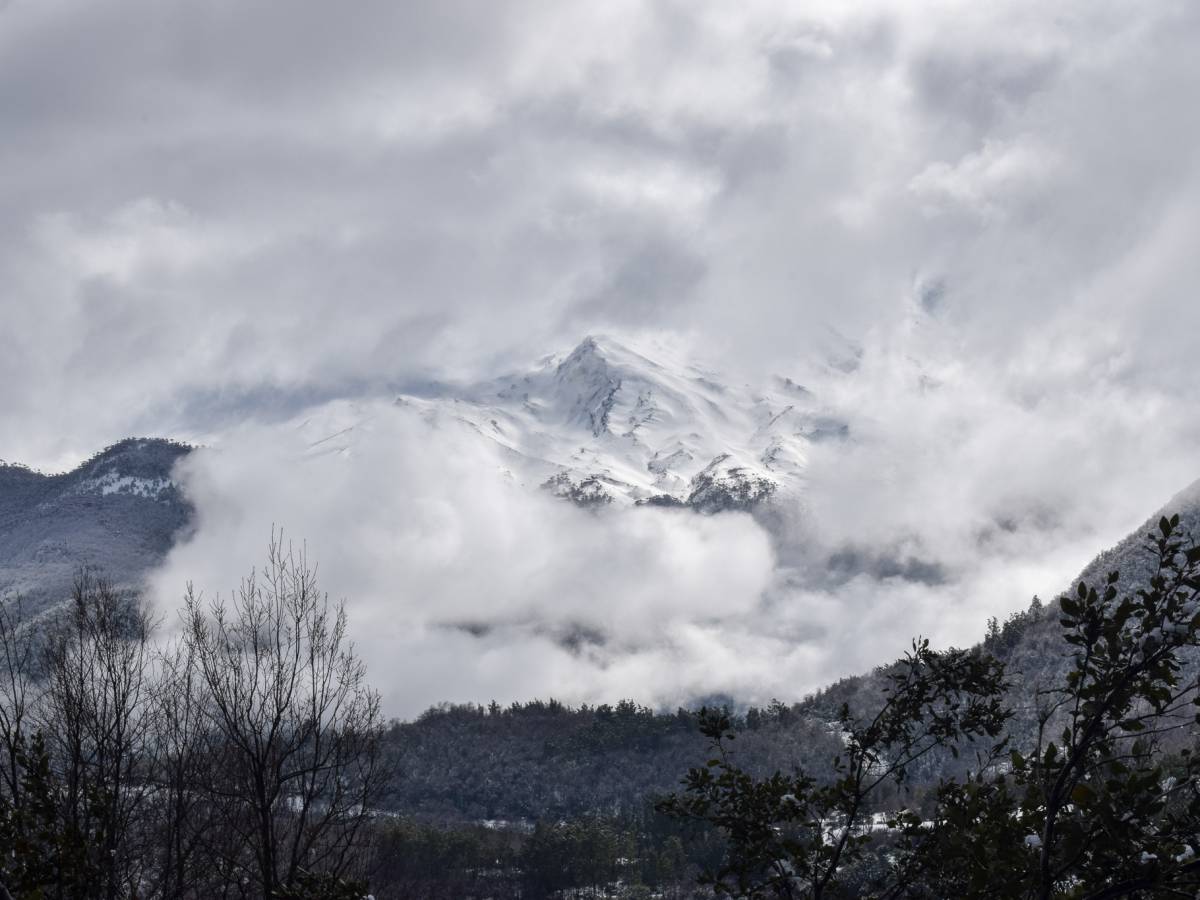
(215, 216)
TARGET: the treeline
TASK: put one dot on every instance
(625, 722)
(140, 456)
(544, 760)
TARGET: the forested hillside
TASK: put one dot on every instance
(542, 760)
(118, 513)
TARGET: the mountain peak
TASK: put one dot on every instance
(587, 386)
(138, 467)
(129, 456)
(587, 353)
(597, 350)
(639, 422)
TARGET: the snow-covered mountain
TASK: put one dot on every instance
(611, 423)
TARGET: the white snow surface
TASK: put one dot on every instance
(112, 482)
(609, 423)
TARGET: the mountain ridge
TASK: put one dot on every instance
(609, 423)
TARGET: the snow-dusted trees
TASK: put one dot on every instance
(1106, 801)
(792, 835)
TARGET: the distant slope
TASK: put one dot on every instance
(1039, 655)
(1031, 646)
(1131, 557)
(544, 760)
(119, 512)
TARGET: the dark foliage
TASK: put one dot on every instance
(640, 855)
(543, 760)
(1104, 802)
(789, 835)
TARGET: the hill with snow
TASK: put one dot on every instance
(118, 513)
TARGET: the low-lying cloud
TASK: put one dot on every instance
(460, 583)
(956, 493)
(214, 217)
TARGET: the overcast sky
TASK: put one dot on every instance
(216, 215)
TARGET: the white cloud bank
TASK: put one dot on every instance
(957, 496)
(462, 584)
(214, 216)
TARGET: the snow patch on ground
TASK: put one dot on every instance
(112, 482)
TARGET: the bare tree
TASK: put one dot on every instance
(296, 727)
(99, 728)
(181, 819)
(16, 659)
(240, 760)
(16, 689)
